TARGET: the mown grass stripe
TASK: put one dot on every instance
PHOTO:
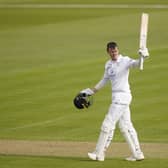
(85, 6)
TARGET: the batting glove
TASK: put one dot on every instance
(143, 52)
(87, 91)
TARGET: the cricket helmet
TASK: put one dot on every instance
(82, 100)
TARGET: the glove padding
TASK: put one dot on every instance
(87, 91)
(143, 52)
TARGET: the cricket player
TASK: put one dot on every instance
(117, 71)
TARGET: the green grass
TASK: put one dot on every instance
(47, 56)
(87, 1)
(66, 162)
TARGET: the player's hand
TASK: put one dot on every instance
(87, 91)
(143, 52)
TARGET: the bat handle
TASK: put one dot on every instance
(141, 63)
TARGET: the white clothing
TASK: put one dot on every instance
(117, 72)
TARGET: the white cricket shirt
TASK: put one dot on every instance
(118, 72)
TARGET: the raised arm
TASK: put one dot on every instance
(143, 54)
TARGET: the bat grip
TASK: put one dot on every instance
(141, 63)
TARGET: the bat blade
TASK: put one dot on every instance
(143, 34)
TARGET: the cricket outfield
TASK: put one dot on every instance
(48, 54)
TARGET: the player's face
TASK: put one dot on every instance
(114, 53)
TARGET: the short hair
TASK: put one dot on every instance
(112, 45)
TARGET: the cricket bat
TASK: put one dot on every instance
(143, 35)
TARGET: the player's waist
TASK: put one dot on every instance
(120, 97)
(121, 91)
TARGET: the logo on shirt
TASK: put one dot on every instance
(111, 73)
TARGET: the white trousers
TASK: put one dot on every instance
(118, 112)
